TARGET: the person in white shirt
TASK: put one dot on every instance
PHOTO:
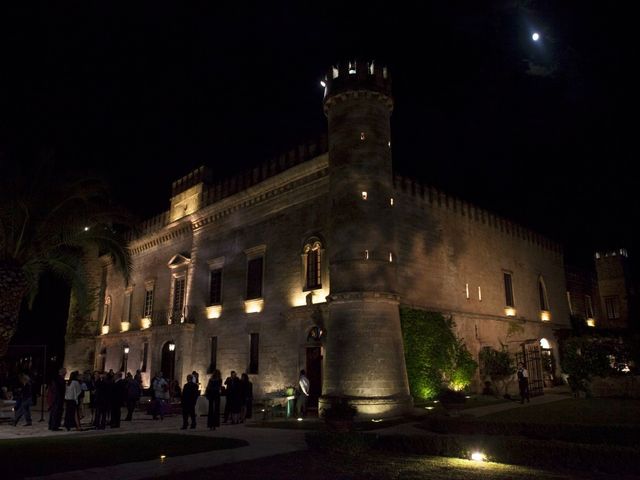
(523, 382)
(161, 393)
(303, 394)
(71, 400)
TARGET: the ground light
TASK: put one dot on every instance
(429, 408)
(299, 419)
(376, 420)
(162, 458)
(478, 457)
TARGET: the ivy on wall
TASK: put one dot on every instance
(435, 357)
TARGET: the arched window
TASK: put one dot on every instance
(106, 319)
(542, 293)
(312, 258)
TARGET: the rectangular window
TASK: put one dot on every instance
(313, 269)
(178, 295)
(215, 287)
(508, 290)
(612, 306)
(148, 303)
(213, 360)
(126, 314)
(254, 278)
(588, 306)
(253, 353)
(145, 355)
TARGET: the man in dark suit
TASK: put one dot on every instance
(190, 394)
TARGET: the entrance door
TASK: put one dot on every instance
(167, 363)
(314, 374)
(530, 356)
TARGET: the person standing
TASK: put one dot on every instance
(57, 390)
(303, 394)
(25, 399)
(190, 395)
(71, 396)
(213, 395)
(101, 401)
(161, 393)
(246, 389)
(523, 382)
(134, 390)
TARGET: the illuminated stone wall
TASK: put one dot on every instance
(447, 248)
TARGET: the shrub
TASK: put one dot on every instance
(433, 353)
(498, 365)
(448, 396)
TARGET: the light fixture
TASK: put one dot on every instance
(544, 343)
(126, 350)
(86, 229)
(591, 322)
(510, 311)
(323, 84)
(535, 37)
(364, 195)
(299, 419)
(172, 346)
(429, 408)
(376, 420)
(478, 457)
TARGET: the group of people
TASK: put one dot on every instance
(104, 393)
(237, 391)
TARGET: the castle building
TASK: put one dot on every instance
(303, 262)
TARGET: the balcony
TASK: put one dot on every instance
(187, 314)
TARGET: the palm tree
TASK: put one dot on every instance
(53, 226)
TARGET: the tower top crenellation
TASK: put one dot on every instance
(357, 75)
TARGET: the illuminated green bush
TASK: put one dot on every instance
(434, 356)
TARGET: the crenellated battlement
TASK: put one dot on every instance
(356, 76)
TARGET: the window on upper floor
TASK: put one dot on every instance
(254, 277)
(106, 317)
(177, 304)
(542, 294)
(147, 309)
(215, 287)
(612, 307)
(588, 306)
(508, 290)
(312, 258)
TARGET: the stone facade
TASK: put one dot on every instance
(342, 242)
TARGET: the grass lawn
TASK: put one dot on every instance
(371, 466)
(592, 411)
(44, 456)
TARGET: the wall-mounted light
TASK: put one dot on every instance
(591, 322)
(544, 343)
(391, 201)
(172, 346)
(323, 84)
(510, 311)
(545, 315)
(364, 195)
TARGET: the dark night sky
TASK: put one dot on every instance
(143, 92)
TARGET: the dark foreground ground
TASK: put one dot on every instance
(308, 465)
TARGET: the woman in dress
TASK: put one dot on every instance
(213, 395)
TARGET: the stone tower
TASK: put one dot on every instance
(364, 359)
